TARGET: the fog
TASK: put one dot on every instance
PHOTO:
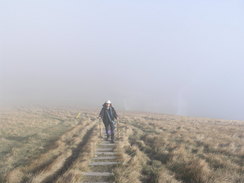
(176, 57)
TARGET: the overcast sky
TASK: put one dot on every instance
(178, 57)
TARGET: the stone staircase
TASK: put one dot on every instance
(104, 160)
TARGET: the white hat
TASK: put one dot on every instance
(108, 102)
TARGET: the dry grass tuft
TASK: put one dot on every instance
(133, 161)
(73, 174)
(130, 170)
(190, 170)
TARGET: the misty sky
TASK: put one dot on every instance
(178, 57)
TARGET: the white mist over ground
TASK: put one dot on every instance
(161, 56)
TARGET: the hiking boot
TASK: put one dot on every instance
(112, 141)
(107, 138)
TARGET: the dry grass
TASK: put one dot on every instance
(73, 173)
(191, 149)
(133, 161)
(50, 145)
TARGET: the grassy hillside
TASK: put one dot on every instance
(51, 145)
(184, 149)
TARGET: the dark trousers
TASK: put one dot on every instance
(111, 126)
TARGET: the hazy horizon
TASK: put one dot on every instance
(172, 57)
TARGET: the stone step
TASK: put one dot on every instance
(105, 174)
(105, 141)
(106, 153)
(104, 163)
(106, 144)
(105, 157)
(95, 182)
(104, 149)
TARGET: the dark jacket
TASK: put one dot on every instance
(108, 115)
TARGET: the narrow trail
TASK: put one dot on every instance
(105, 159)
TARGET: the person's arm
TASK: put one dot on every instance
(115, 114)
(101, 113)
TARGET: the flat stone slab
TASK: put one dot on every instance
(95, 182)
(104, 163)
(97, 174)
(110, 145)
(104, 149)
(107, 142)
(105, 157)
(106, 153)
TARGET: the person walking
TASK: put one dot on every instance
(108, 114)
